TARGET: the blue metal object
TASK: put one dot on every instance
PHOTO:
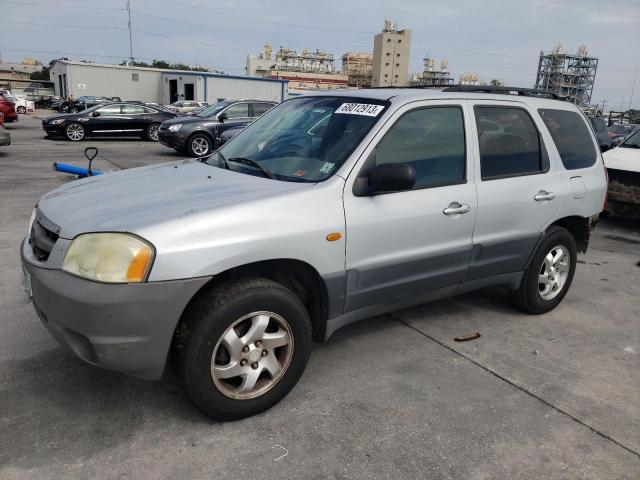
(73, 170)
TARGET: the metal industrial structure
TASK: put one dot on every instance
(391, 57)
(431, 76)
(469, 78)
(358, 67)
(309, 70)
(570, 75)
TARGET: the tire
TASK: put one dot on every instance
(237, 305)
(151, 133)
(199, 145)
(542, 288)
(21, 110)
(74, 132)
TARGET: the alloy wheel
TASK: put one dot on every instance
(554, 272)
(252, 355)
(75, 132)
(200, 146)
(153, 133)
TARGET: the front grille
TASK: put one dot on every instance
(42, 241)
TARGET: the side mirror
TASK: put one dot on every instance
(95, 114)
(222, 117)
(391, 177)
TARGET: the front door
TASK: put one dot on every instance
(108, 121)
(173, 91)
(189, 92)
(520, 189)
(405, 247)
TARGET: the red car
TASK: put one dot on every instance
(9, 110)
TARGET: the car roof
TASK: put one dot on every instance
(406, 95)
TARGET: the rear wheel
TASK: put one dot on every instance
(241, 349)
(151, 133)
(74, 132)
(548, 277)
(21, 109)
(199, 145)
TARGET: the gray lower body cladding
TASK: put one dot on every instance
(123, 327)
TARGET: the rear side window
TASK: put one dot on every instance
(431, 140)
(571, 137)
(509, 143)
(261, 108)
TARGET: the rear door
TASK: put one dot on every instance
(135, 118)
(259, 109)
(520, 188)
(404, 247)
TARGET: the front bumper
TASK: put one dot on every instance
(123, 327)
(172, 139)
(53, 130)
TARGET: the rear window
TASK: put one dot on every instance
(571, 136)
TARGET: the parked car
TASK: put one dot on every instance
(199, 135)
(112, 119)
(623, 169)
(22, 103)
(197, 111)
(600, 128)
(329, 209)
(619, 131)
(8, 109)
(184, 106)
(47, 101)
(85, 102)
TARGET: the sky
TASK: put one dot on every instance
(493, 38)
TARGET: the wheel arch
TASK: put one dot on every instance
(579, 227)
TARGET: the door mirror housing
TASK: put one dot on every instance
(222, 117)
(95, 114)
(390, 177)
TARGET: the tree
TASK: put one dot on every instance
(497, 83)
(160, 64)
(41, 75)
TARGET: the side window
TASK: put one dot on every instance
(260, 109)
(133, 109)
(109, 110)
(239, 110)
(571, 136)
(509, 143)
(431, 140)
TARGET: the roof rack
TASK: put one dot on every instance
(526, 92)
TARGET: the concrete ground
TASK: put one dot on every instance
(552, 396)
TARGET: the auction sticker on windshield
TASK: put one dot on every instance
(360, 109)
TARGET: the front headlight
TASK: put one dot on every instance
(176, 127)
(109, 257)
(56, 122)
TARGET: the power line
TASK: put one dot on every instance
(56, 25)
(64, 5)
(263, 20)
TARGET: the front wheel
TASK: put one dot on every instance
(242, 348)
(199, 145)
(21, 109)
(547, 278)
(74, 132)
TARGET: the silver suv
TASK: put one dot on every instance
(328, 209)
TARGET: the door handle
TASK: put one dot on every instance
(543, 195)
(455, 208)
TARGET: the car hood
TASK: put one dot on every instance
(622, 158)
(191, 119)
(66, 116)
(129, 199)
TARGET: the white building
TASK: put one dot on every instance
(158, 85)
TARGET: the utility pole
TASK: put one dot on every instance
(130, 36)
(635, 77)
(603, 104)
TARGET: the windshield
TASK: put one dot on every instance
(632, 141)
(212, 110)
(304, 139)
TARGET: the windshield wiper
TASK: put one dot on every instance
(224, 160)
(253, 163)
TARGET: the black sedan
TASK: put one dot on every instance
(200, 134)
(113, 119)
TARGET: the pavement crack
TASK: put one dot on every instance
(515, 385)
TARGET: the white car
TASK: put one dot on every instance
(623, 168)
(23, 104)
(184, 106)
